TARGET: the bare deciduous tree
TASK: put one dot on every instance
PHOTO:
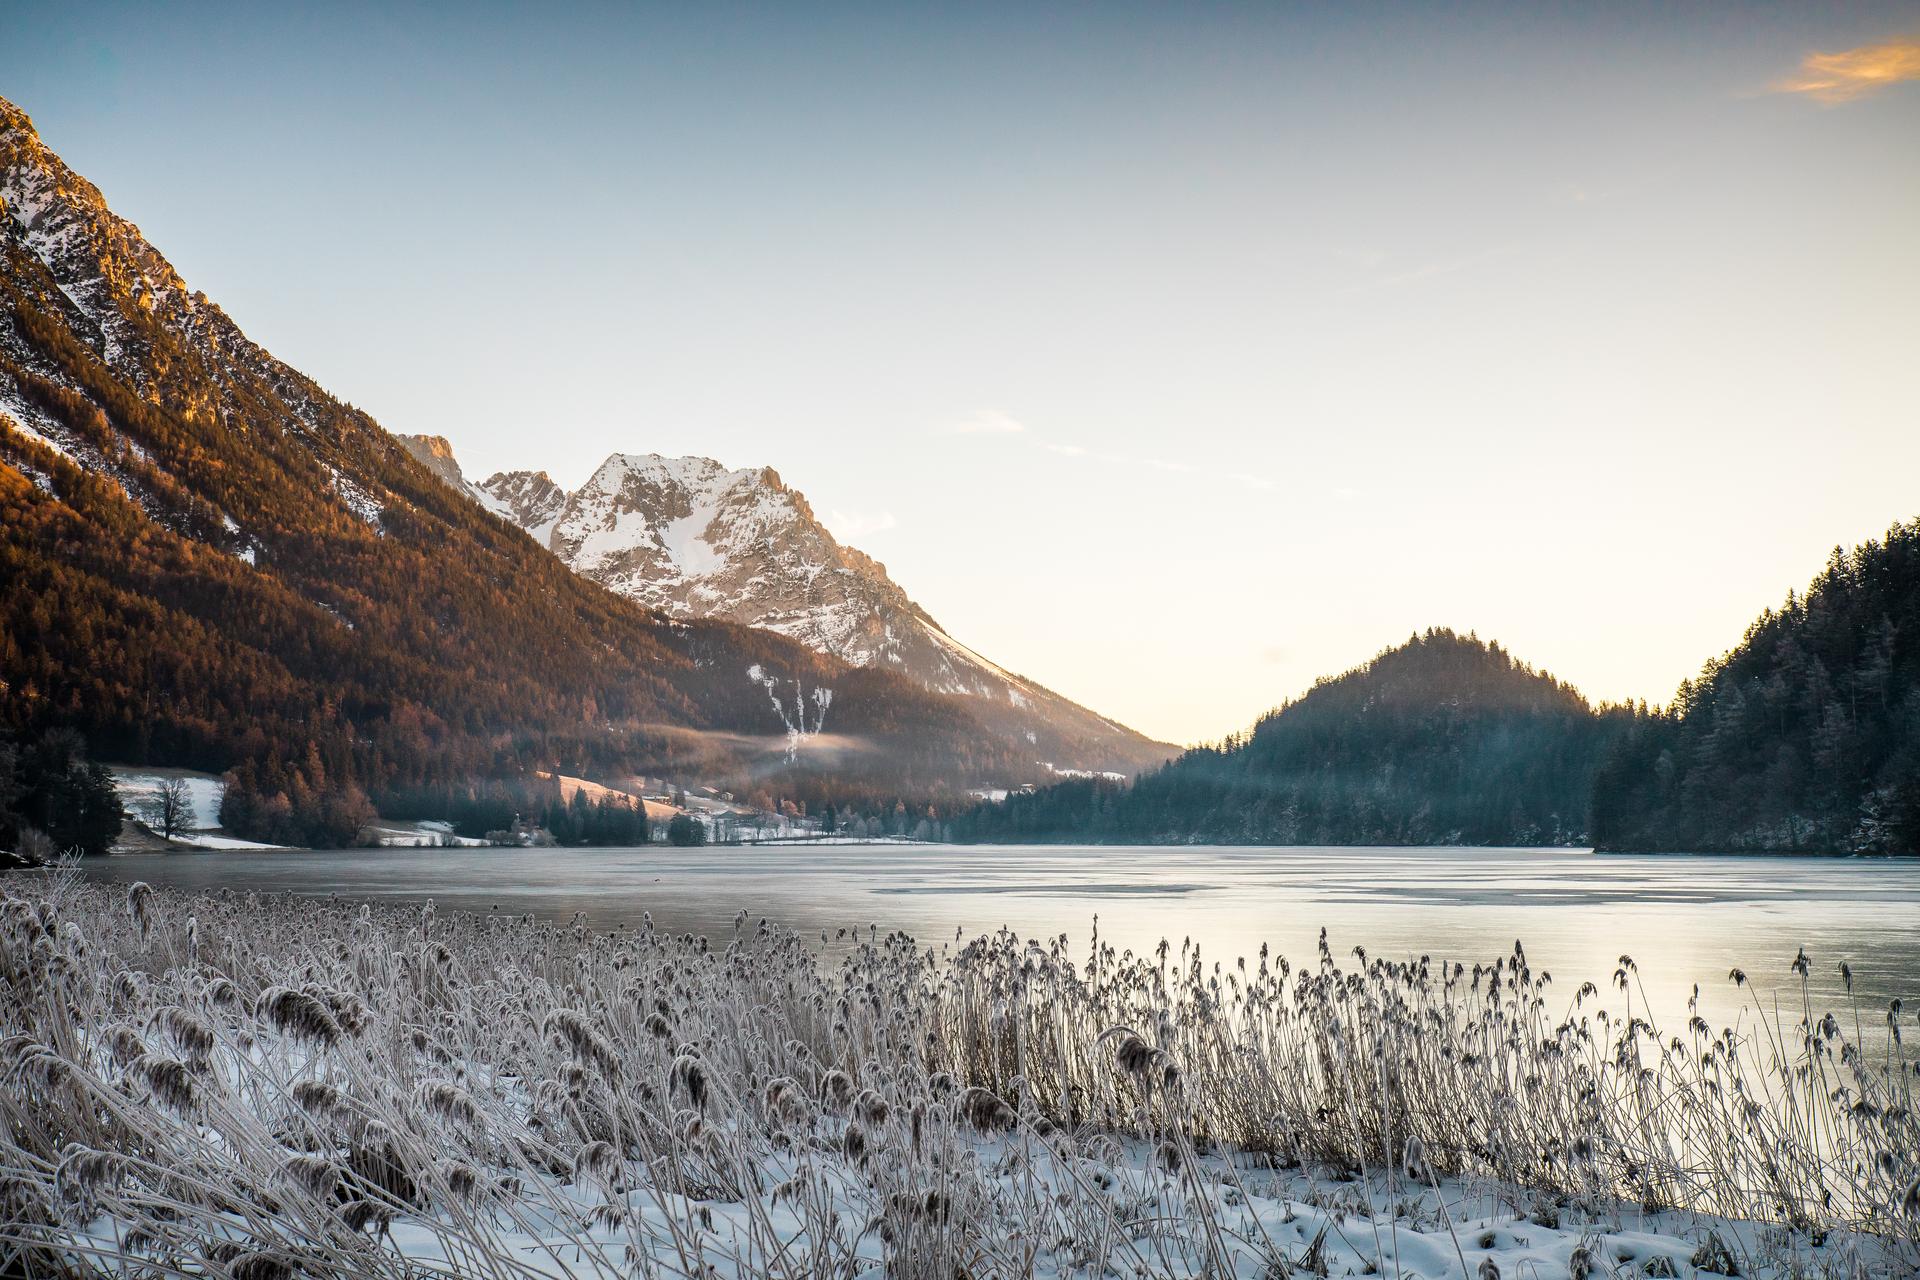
(168, 809)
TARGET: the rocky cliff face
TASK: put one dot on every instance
(695, 539)
(528, 498)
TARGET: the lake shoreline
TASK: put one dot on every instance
(897, 842)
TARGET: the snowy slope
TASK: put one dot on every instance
(695, 539)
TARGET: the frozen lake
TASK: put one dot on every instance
(1683, 919)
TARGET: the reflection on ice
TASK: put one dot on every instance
(1686, 920)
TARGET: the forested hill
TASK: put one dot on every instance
(207, 560)
(1804, 737)
(1445, 739)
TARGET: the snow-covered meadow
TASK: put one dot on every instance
(200, 828)
(204, 790)
(263, 1087)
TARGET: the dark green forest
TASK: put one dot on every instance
(53, 799)
(1804, 737)
(1445, 739)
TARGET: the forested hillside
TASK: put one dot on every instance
(207, 560)
(1804, 737)
(1445, 739)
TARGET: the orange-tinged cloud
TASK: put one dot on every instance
(1841, 77)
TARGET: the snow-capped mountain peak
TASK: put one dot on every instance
(694, 538)
(643, 517)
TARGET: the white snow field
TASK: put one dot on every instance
(224, 1084)
(137, 782)
(204, 790)
(425, 834)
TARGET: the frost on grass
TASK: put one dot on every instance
(229, 1086)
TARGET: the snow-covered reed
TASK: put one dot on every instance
(226, 1085)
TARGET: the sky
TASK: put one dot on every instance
(1173, 356)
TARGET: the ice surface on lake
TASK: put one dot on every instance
(1684, 920)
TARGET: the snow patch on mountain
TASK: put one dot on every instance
(363, 504)
(22, 418)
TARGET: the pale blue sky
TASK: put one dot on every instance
(1317, 326)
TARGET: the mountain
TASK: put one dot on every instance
(1803, 738)
(1443, 740)
(208, 560)
(693, 539)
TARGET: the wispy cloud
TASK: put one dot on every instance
(849, 525)
(986, 422)
(992, 422)
(1436, 267)
(1834, 78)
(1174, 466)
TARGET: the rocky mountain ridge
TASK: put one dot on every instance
(692, 538)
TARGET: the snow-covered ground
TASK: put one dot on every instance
(201, 829)
(1271, 1225)
(422, 835)
(222, 843)
(139, 782)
